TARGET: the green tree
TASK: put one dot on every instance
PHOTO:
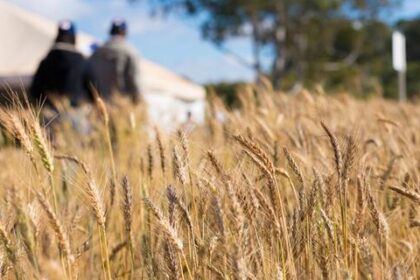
(294, 30)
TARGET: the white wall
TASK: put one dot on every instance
(169, 112)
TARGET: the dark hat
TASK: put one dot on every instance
(118, 26)
(66, 27)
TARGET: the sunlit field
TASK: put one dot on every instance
(311, 186)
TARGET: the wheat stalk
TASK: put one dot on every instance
(336, 148)
(378, 218)
(164, 225)
(42, 147)
(7, 243)
(63, 240)
(127, 207)
(98, 208)
(415, 197)
(161, 150)
(150, 161)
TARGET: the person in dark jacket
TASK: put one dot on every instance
(64, 72)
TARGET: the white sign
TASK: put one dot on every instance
(399, 59)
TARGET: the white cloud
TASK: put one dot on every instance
(56, 9)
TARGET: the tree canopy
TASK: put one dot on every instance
(340, 43)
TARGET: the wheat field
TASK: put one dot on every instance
(285, 187)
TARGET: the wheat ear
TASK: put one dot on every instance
(127, 207)
(164, 225)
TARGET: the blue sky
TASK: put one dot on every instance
(171, 42)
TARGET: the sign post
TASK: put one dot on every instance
(399, 61)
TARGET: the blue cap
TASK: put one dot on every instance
(118, 26)
(66, 27)
(94, 46)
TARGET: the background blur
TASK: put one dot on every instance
(341, 45)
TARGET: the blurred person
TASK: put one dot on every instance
(117, 65)
(189, 124)
(64, 74)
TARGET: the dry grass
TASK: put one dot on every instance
(340, 202)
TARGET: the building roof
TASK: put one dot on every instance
(27, 37)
